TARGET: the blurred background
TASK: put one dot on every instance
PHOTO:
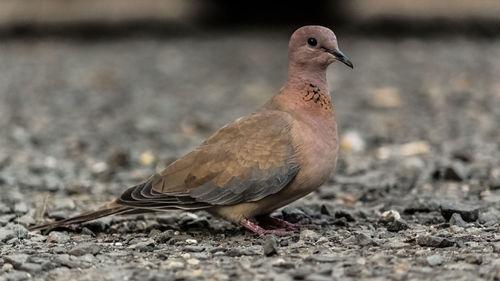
(96, 95)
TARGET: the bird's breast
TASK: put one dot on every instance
(317, 139)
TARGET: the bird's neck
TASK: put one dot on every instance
(302, 74)
(306, 89)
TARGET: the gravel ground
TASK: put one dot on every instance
(415, 196)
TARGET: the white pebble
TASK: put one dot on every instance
(390, 216)
(193, 261)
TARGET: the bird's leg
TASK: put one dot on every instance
(246, 223)
(267, 220)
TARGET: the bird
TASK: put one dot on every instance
(258, 163)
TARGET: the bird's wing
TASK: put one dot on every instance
(244, 161)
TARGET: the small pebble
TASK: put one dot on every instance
(351, 141)
(307, 234)
(193, 261)
(270, 247)
(194, 249)
(457, 220)
(147, 158)
(293, 215)
(468, 213)
(397, 225)
(191, 241)
(434, 260)
(433, 241)
(58, 237)
(7, 267)
(83, 249)
(174, 264)
(473, 259)
(361, 239)
(390, 216)
(16, 260)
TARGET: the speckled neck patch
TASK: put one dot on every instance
(316, 95)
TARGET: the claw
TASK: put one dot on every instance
(277, 223)
(261, 231)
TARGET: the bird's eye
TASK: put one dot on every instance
(312, 42)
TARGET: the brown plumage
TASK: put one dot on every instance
(258, 163)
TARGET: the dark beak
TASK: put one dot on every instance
(341, 57)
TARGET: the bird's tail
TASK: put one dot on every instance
(106, 210)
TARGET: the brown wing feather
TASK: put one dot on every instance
(244, 161)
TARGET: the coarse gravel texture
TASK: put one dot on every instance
(415, 196)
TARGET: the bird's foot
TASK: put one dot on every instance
(267, 220)
(255, 228)
(306, 224)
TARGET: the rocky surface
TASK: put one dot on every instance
(416, 194)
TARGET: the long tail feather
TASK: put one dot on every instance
(106, 210)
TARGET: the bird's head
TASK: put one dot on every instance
(314, 46)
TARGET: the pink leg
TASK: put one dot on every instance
(267, 220)
(259, 230)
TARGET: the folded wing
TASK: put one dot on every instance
(244, 161)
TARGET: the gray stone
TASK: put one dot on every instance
(194, 249)
(496, 247)
(460, 244)
(323, 258)
(6, 234)
(474, 259)
(361, 239)
(457, 220)
(200, 256)
(65, 260)
(397, 225)
(244, 251)
(145, 246)
(492, 216)
(4, 160)
(318, 277)
(469, 213)
(302, 272)
(389, 216)
(434, 260)
(16, 260)
(31, 267)
(87, 258)
(293, 215)
(26, 219)
(163, 237)
(433, 241)
(7, 267)
(421, 205)
(58, 215)
(84, 248)
(337, 213)
(16, 276)
(58, 237)
(307, 234)
(58, 250)
(456, 171)
(5, 219)
(494, 178)
(12, 231)
(63, 204)
(342, 213)
(4, 209)
(52, 183)
(270, 246)
(119, 158)
(21, 207)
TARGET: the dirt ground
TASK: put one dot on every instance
(415, 196)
